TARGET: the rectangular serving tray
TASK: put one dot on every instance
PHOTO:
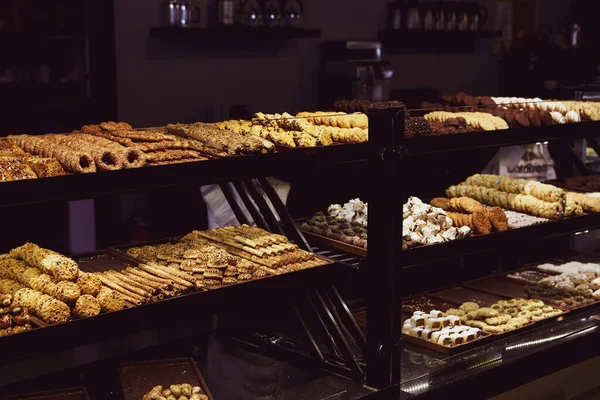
(335, 244)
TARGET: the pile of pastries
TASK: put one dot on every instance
(476, 120)
(425, 224)
(512, 111)
(304, 129)
(52, 287)
(13, 317)
(214, 258)
(576, 284)
(464, 211)
(182, 391)
(422, 224)
(149, 282)
(269, 252)
(343, 222)
(524, 196)
(505, 315)
(439, 328)
(153, 145)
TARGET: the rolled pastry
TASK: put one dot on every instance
(71, 160)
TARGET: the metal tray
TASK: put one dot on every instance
(445, 349)
(137, 379)
(501, 287)
(79, 393)
(335, 244)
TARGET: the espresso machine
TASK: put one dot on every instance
(354, 70)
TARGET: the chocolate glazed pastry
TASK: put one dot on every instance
(509, 117)
(71, 160)
(546, 118)
(522, 119)
(534, 117)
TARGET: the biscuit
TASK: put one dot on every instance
(465, 205)
(497, 218)
(499, 320)
(440, 202)
(469, 306)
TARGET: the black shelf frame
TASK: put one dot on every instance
(390, 158)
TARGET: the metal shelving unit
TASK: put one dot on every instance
(390, 158)
(333, 340)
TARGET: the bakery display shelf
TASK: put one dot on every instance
(500, 365)
(426, 41)
(236, 32)
(81, 186)
(424, 145)
(139, 378)
(135, 319)
(496, 240)
(79, 393)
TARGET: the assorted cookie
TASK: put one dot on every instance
(437, 327)
(505, 315)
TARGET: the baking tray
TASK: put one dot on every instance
(122, 250)
(459, 295)
(485, 337)
(78, 393)
(501, 287)
(541, 274)
(139, 378)
(335, 244)
(104, 260)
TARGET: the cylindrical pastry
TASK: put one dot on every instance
(47, 308)
(71, 160)
(58, 266)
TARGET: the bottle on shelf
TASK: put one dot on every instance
(226, 12)
(292, 12)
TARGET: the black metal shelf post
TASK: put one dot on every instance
(386, 149)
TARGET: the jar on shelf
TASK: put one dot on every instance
(271, 13)
(251, 13)
(293, 10)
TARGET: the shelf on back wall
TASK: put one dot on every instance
(427, 41)
(235, 32)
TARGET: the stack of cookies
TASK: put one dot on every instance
(477, 120)
(465, 211)
(505, 315)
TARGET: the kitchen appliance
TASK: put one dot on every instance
(354, 70)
